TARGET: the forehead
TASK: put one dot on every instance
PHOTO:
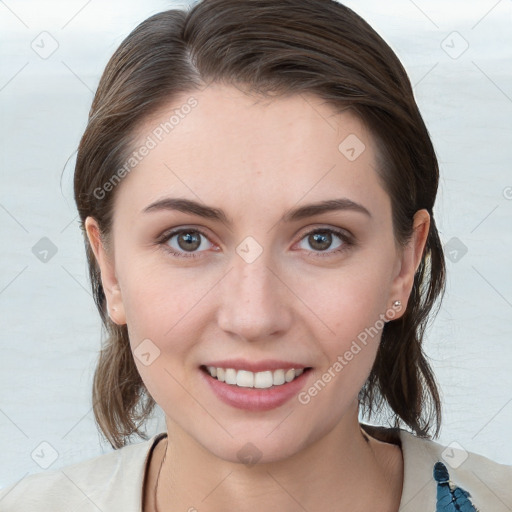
(269, 150)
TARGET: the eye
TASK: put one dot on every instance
(182, 242)
(190, 242)
(322, 239)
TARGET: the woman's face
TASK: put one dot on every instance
(259, 281)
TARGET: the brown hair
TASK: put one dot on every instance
(285, 47)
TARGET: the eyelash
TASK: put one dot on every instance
(347, 240)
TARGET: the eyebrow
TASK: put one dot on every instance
(293, 215)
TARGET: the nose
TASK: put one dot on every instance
(254, 301)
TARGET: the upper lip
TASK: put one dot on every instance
(256, 366)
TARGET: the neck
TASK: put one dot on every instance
(344, 470)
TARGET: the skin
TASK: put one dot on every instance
(256, 158)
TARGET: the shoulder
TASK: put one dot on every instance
(94, 484)
(486, 484)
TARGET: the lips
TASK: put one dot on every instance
(256, 386)
(255, 366)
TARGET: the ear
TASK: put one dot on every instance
(410, 259)
(115, 307)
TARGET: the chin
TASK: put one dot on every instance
(252, 445)
(255, 452)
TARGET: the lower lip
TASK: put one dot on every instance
(252, 399)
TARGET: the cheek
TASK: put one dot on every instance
(348, 302)
(158, 301)
(157, 320)
(160, 308)
(354, 312)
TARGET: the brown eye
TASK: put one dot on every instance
(185, 242)
(320, 242)
(189, 240)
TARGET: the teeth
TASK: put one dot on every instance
(263, 380)
(230, 376)
(258, 380)
(289, 375)
(244, 379)
(278, 377)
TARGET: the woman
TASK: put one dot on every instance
(256, 189)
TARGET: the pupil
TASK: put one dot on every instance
(319, 237)
(192, 241)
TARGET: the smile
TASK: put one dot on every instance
(255, 386)
(259, 380)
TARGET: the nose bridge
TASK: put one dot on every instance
(253, 280)
(253, 301)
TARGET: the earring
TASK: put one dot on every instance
(397, 304)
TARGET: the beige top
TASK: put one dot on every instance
(114, 481)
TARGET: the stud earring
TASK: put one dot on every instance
(397, 304)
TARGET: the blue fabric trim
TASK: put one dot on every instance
(450, 498)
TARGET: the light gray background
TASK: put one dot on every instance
(49, 327)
